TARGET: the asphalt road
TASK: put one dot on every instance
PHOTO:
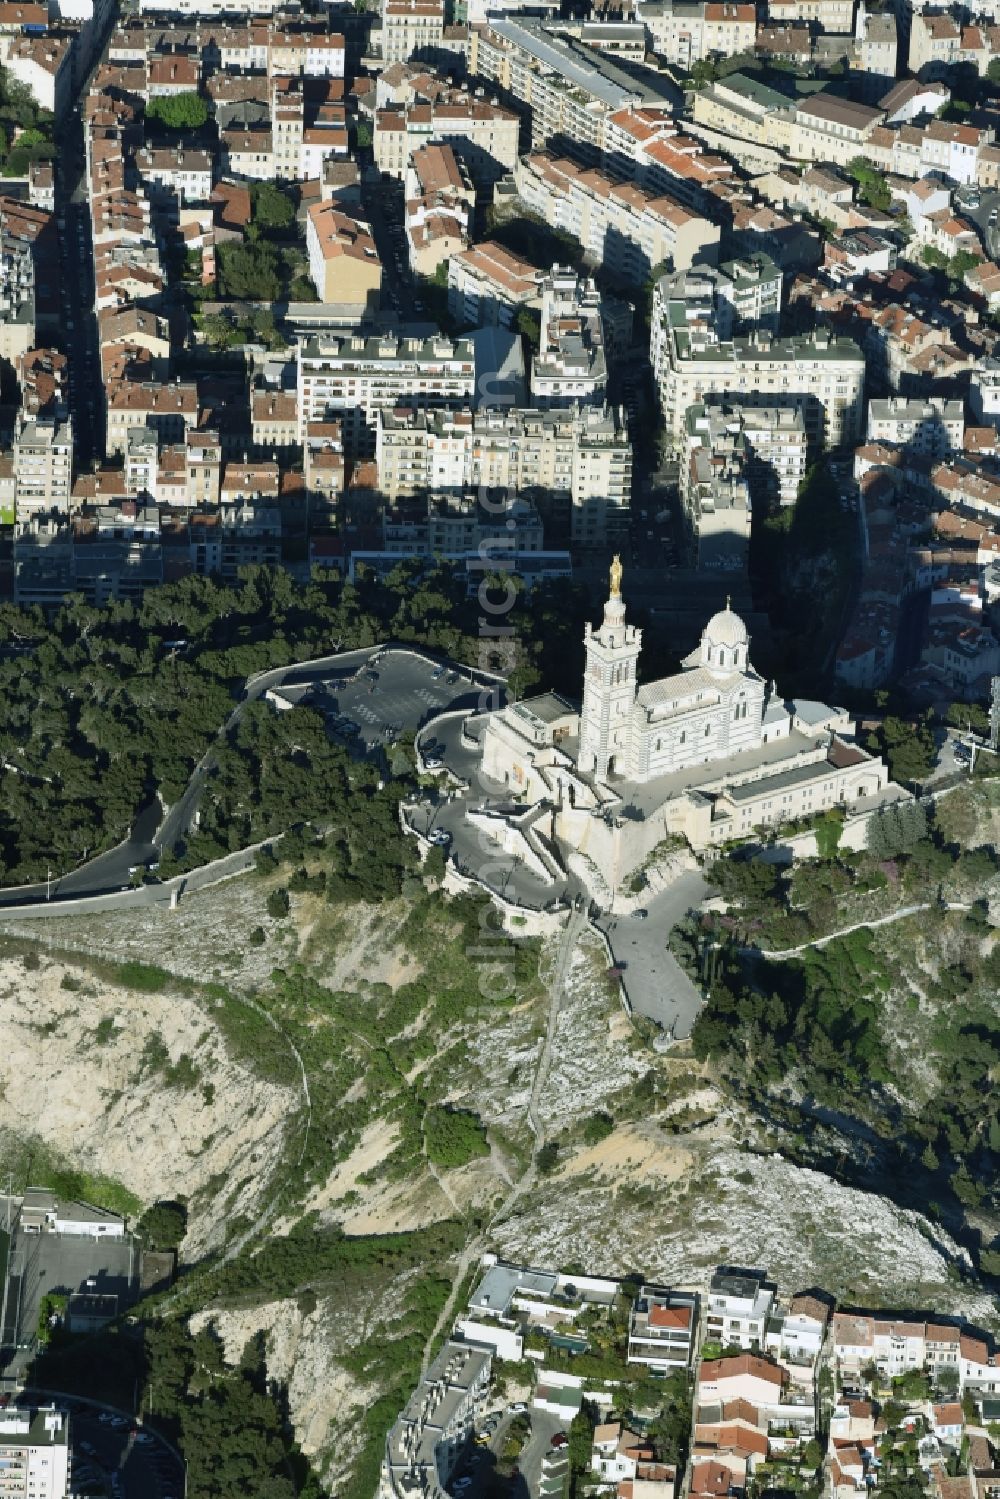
(475, 853)
(79, 325)
(407, 693)
(145, 1469)
(654, 981)
(980, 218)
(383, 203)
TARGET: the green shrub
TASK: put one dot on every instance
(453, 1137)
(163, 1225)
(278, 904)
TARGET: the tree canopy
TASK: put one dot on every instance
(248, 272)
(272, 208)
(178, 111)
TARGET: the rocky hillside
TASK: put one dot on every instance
(139, 1088)
(178, 1092)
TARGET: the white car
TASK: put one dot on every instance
(439, 837)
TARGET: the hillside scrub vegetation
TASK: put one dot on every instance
(893, 1027)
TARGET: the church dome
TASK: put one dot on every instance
(726, 628)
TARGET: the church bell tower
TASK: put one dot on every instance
(609, 687)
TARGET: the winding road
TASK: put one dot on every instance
(110, 873)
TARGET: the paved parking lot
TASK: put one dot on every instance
(44, 1264)
(386, 694)
(124, 1460)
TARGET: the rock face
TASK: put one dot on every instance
(120, 1100)
(755, 1210)
(303, 1353)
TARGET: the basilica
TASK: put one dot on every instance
(711, 754)
(716, 707)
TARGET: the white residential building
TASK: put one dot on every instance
(432, 1434)
(482, 132)
(819, 375)
(570, 366)
(570, 90)
(738, 1305)
(411, 28)
(353, 377)
(581, 457)
(934, 427)
(488, 286)
(34, 1453)
(43, 467)
(662, 1328)
(622, 227)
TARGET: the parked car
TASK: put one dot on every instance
(439, 837)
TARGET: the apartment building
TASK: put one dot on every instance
(439, 201)
(662, 1329)
(570, 365)
(488, 286)
(934, 428)
(248, 154)
(452, 525)
(961, 151)
(28, 259)
(274, 422)
(769, 440)
(45, 65)
(828, 16)
(482, 132)
(411, 28)
(687, 31)
(621, 226)
(715, 495)
(174, 176)
(353, 377)
(43, 467)
(580, 457)
(895, 1345)
(43, 377)
(432, 1434)
(567, 90)
(941, 40)
(817, 374)
(34, 1453)
(829, 128)
(344, 265)
(170, 408)
(323, 467)
(748, 112)
(738, 1305)
(796, 1332)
